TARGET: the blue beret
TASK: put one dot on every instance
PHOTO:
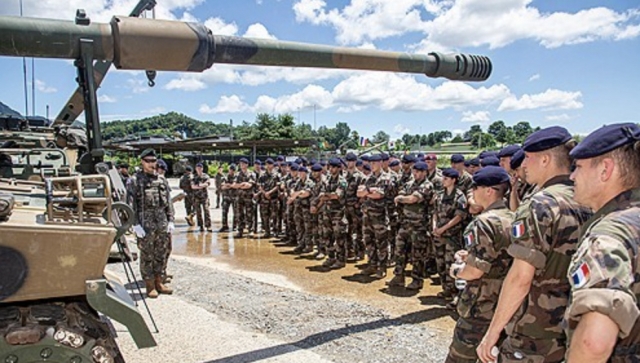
(147, 152)
(316, 167)
(323, 162)
(244, 160)
(546, 139)
(508, 151)
(280, 158)
(365, 157)
(258, 162)
(358, 162)
(451, 173)
(486, 154)
(298, 161)
(352, 157)
(162, 164)
(467, 163)
(375, 157)
(517, 159)
(420, 155)
(335, 162)
(384, 156)
(408, 158)
(303, 169)
(490, 161)
(605, 139)
(490, 176)
(189, 168)
(269, 161)
(304, 160)
(367, 167)
(394, 163)
(474, 162)
(295, 167)
(343, 162)
(421, 166)
(199, 165)
(457, 158)
(313, 161)
(232, 166)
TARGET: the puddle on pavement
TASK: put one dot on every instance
(270, 256)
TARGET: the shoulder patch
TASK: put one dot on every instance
(580, 277)
(518, 229)
(469, 239)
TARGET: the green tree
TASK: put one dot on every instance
(379, 137)
(522, 129)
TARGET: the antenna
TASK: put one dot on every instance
(24, 76)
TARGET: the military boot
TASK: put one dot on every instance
(369, 270)
(329, 262)
(381, 273)
(338, 265)
(396, 281)
(161, 288)
(189, 219)
(416, 284)
(151, 289)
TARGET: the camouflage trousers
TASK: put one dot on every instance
(188, 203)
(333, 234)
(168, 248)
(218, 197)
(444, 250)
(269, 214)
(354, 225)
(375, 238)
(412, 246)
(302, 217)
(394, 228)
(466, 337)
(201, 206)
(153, 253)
(291, 224)
(315, 231)
(519, 349)
(244, 213)
(227, 203)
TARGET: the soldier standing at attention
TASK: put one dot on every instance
(392, 208)
(244, 184)
(200, 186)
(301, 198)
(228, 198)
(162, 171)
(373, 190)
(521, 191)
(506, 154)
(151, 202)
(332, 195)
(218, 186)
(412, 244)
(484, 263)
(268, 184)
(601, 320)
(185, 185)
(544, 235)
(465, 180)
(353, 213)
(449, 212)
(123, 169)
(289, 188)
(316, 207)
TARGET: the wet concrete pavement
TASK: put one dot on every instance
(303, 272)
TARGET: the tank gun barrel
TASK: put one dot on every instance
(149, 44)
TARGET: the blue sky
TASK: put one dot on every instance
(572, 63)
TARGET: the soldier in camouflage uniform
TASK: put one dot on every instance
(450, 211)
(353, 213)
(411, 243)
(544, 237)
(318, 212)
(288, 188)
(268, 184)
(256, 198)
(228, 198)
(244, 184)
(483, 264)
(521, 191)
(392, 209)
(333, 197)
(434, 175)
(162, 172)
(601, 320)
(185, 185)
(373, 190)
(301, 199)
(150, 199)
(200, 185)
(218, 180)
(464, 181)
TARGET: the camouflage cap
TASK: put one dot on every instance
(147, 152)
(605, 139)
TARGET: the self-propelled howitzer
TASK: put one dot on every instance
(161, 45)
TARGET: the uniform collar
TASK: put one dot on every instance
(558, 179)
(498, 204)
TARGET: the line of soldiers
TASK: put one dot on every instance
(516, 247)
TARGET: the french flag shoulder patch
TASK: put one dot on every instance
(469, 239)
(581, 275)
(518, 229)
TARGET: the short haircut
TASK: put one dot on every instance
(560, 154)
(627, 159)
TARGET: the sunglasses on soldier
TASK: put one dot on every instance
(150, 160)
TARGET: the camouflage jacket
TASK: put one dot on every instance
(307, 185)
(200, 180)
(393, 188)
(318, 186)
(545, 235)
(604, 271)
(266, 182)
(218, 179)
(446, 207)
(381, 181)
(353, 179)
(524, 190)
(436, 179)
(337, 185)
(185, 183)
(423, 190)
(245, 177)
(150, 198)
(486, 239)
(404, 179)
(228, 180)
(464, 182)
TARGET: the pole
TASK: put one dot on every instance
(24, 76)
(33, 86)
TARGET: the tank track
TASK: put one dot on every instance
(56, 331)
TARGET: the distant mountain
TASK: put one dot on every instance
(6, 110)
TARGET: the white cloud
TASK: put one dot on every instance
(559, 118)
(220, 27)
(479, 116)
(551, 99)
(258, 30)
(106, 99)
(535, 77)
(138, 85)
(466, 23)
(186, 83)
(231, 104)
(44, 88)
(155, 110)
(401, 130)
